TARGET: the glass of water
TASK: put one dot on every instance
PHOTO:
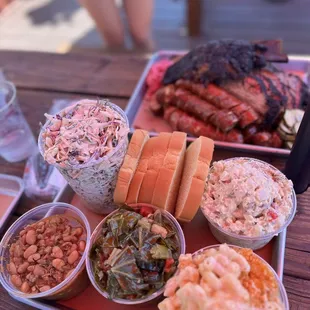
(16, 138)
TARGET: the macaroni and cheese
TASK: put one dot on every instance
(222, 278)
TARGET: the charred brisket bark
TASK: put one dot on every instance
(219, 61)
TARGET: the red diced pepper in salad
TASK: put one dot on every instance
(272, 214)
(168, 264)
(145, 211)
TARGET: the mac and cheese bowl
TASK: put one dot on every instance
(247, 202)
(224, 277)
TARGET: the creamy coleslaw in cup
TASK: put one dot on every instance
(87, 143)
(247, 201)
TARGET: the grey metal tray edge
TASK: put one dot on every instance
(236, 146)
(139, 91)
(17, 195)
(34, 303)
(66, 194)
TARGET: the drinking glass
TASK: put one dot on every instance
(16, 138)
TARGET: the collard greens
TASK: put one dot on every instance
(129, 259)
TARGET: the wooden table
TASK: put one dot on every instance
(193, 15)
(41, 78)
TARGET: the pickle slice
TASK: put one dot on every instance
(289, 118)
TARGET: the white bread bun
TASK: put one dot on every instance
(169, 177)
(136, 182)
(196, 168)
(129, 165)
(154, 164)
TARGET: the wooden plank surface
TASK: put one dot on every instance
(193, 17)
(37, 100)
(75, 73)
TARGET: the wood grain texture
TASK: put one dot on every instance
(297, 265)
(193, 17)
(238, 19)
(296, 286)
(297, 302)
(37, 89)
(74, 73)
(8, 303)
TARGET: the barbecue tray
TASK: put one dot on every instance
(278, 243)
(296, 63)
(197, 236)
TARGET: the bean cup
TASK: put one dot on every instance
(75, 281)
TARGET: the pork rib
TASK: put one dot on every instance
(222, 100)
(180, 120)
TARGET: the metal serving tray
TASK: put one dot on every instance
(298, 63)
(11, 189)
(277, 250)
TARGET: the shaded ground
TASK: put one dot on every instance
(59, 25)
